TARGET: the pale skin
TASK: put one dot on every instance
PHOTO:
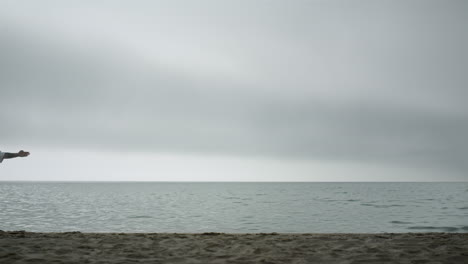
(21, 153)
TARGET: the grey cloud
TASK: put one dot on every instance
(381, 82)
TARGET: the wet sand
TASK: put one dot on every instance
(75, 247)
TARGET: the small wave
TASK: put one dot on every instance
(196, 216)
(329, 200)
(400, 222)
(140, 216)
(390, 205)
(463, 208)
(441, 228)
(232, 198)
(382, 205)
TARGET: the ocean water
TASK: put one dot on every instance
(234, 207)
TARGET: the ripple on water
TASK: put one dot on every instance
(382, 205)
(400, 222)
(140, 216)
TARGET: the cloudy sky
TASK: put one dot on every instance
(241, 90)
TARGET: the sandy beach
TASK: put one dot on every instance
(76, 247)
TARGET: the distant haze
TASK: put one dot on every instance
(259, 90)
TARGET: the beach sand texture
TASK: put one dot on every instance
(75, 247)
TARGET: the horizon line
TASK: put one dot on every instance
(124, 181)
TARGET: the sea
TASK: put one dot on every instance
(234, 207)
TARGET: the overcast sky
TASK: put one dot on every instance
(257, 90)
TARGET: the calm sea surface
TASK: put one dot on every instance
(234, 207)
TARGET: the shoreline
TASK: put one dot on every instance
(77, 247)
